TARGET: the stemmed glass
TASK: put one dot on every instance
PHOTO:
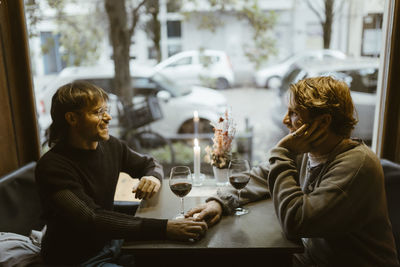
(180, 182)
(239, 176)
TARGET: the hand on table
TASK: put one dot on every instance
(147, 187)
(306, 138)
(185, 229)
(210, 212)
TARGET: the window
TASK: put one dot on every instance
(300, 34)
(174, 28)
(181, 62)
(363, 80)
(208, 60)
(372, 34)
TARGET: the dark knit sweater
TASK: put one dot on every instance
(77, 189)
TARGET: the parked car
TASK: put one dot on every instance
(177, 102)
(270, 76)
(360, 74)
(200, 67)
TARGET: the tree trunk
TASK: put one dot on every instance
(157, 34)
(153, 26)
(120, 38)
(327, 24)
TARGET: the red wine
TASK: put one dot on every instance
(239, 181)
(181, 189)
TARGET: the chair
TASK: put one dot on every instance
(392, 185)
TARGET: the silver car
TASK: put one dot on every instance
(360, 74)
(268, 77)
(177, 102)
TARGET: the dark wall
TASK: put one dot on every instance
(18, 126)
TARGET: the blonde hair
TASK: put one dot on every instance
(326, 95)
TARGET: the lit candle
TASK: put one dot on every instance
(196, 150)
(196, 122)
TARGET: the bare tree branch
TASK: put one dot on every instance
(316, 12)
(338, 9)
(135, 17)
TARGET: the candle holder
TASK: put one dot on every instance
(198, 181)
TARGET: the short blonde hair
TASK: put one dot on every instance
(326, 95)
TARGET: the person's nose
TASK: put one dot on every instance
(107, 116)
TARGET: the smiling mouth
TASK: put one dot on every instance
(104, 127)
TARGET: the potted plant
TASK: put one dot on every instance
(219, 155)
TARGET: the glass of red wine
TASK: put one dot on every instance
(180, 182)
(239, 176)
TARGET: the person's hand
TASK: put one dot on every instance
(306, 138)
(210, 212)
(147, 187)
(185, 229)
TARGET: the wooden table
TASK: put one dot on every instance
(245, 240)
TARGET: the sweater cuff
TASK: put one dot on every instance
(281, 153)
(228, 202)
(155, 174)
(154, 229)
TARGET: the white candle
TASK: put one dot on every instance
(196, 122)
(196, 150)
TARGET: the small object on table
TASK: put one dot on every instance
(198, 177)
(239, 176)
(180, 182)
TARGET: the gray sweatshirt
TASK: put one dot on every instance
(341, 214)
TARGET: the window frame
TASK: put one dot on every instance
(386, 137)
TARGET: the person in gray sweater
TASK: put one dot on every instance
(327, 189)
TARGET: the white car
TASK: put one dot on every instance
(361, 74)
(177, 102)
(200, 67)
(270, 76)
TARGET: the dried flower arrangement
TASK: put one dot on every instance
(224, 131)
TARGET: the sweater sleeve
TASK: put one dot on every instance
(64, 198)
(339, 204)
(139, 165)
(256, 189)
(110, 224)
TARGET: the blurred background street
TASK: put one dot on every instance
(256, 106)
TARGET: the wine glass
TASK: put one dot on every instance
(180, 182)
(239, 176)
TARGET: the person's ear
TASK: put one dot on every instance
(325, 120)
(71, 118)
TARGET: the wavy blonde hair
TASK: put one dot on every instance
(326, 95)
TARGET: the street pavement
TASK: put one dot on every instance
(255, 104)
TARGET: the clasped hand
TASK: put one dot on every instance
(306, 138)
(210, 212)
(147, 187)
(186, 229)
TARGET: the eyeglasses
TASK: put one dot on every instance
(101, 111)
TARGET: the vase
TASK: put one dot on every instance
(221, 176)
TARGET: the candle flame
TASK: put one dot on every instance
(195, 115)
(196, 142)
